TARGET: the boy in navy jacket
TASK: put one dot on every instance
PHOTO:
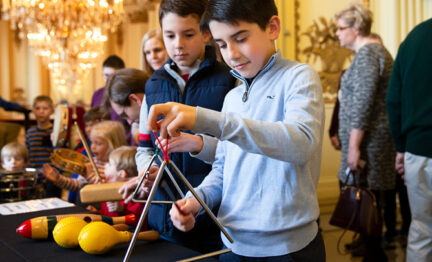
(191, 76)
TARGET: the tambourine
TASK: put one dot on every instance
(60, 129)
(69, 160)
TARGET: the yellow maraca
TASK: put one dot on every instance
(99, 237)
(66, 231)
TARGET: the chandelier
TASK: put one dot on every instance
(68, 34)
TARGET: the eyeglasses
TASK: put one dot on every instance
(123, 115)
(341, 28)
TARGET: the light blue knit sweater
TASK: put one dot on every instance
(268, 159)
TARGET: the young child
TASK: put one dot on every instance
(121, 167)
(105, 136)
(14, 156)
(38, 140)
(270, 137)
(91, 117)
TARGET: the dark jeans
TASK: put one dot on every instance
(314, 251)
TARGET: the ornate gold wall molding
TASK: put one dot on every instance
(137, 11)
(288, 38)
(297, 28)
(324, 46)
(11, 37)
(366, 3)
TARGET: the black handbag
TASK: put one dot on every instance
(356, 209)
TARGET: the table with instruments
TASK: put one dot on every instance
(14, 247)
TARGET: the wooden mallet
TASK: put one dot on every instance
(87, 149)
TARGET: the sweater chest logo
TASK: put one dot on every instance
(271, 97)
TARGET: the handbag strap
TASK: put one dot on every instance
(357, 176)
(351, 173)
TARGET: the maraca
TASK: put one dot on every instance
(66, 231)
(41, 227)
(99, 237)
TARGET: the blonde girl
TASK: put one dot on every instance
(105, 136)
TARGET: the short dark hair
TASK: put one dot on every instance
(123, 83)
(183, 8)
(114, 61)
(234, 11)
(93, 114)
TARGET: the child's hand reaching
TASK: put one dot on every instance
(114, 206)
(128, 188)
(183, 213)
(90, 174)
(92, 208)
(50, 173)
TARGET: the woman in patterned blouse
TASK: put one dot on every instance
(363, 125)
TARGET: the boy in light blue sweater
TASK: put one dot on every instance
(268, 157)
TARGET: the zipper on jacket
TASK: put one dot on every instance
(245, 94)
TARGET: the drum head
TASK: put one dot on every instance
(17, 185)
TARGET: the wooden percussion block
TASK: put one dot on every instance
(101, 192)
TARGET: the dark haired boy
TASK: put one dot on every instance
(270, 137)
(125, 93)
(112, 64)
(191, 76)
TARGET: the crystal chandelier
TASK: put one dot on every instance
(68, 34)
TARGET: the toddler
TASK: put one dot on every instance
(14, 156)
(120, 167)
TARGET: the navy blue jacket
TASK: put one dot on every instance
(205, 88)
(10, 106)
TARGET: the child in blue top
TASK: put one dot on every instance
(270, 130)
(38, 141)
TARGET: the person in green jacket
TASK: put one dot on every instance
(409, 108)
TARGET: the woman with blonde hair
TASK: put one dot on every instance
(153, 53)
(153, 56)
(363, 124)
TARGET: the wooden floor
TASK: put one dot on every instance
(331, 235)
